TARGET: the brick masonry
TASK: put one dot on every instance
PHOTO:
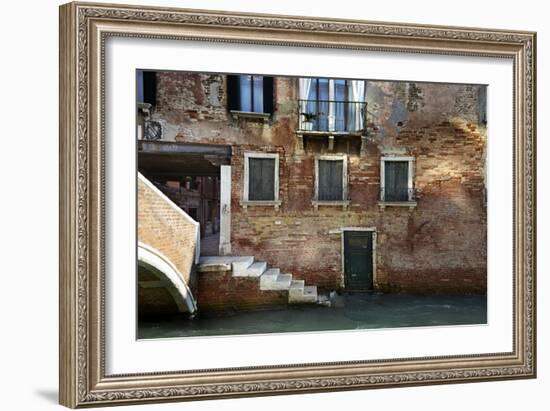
(164, 228)
(220, 291)
(439, 246)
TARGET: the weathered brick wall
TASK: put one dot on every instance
(439, 246)
(164, 227)
(193, 108)
(220, 291)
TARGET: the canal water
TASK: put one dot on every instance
(347, 312)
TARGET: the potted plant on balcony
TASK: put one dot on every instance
(308, 119)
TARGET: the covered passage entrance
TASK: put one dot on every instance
(197, 177)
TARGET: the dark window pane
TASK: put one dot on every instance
(323, 88)
(396, 181)
(261, 179)
(246, 92)
(148, 89)
(322, 104)
(251, 93)
(331, 180)
(258, 94)
(340, 88)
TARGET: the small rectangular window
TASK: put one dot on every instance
(331, 183)
(261, 179)
(146, 87)
(396, 181)
(249, 93)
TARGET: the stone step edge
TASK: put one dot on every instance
(255, 270)
(224, 263)
(282, 282)
(297, 287)
(307, 296)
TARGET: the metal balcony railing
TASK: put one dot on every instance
(332, 116)
(389, 196)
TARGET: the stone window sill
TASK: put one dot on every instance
(410, 204)
(275, 204)
(249, 115)
(343, 203)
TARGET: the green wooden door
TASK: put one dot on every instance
(358, 260)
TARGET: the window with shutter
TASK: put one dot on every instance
(396, 181)
(146, 87)
(330, 183)
(261, 179)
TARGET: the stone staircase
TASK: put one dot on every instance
(270, 279)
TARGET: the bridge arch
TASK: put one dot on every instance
(167, 276)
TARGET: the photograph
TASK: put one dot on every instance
(292, 200)
(279, 204)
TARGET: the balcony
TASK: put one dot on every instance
(330, 117)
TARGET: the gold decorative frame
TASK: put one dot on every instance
(83, 30)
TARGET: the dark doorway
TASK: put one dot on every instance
(189, 175)
(358, 259)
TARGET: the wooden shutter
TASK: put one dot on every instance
(261, 179)
(233, 93)
(150, 87)
(396, 184)
(268, 94)
(330, 180)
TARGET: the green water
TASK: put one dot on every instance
(348, 312)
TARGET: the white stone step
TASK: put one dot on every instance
(241, 264)
(282, 282)
(255, 270)
(296, 288)
(269, 278)
(302, 294)
(310, 294)
(223, 263)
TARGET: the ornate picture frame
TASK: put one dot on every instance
(84, 29)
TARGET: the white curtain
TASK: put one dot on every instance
(304, 86)
(356, 93)
(331, 106)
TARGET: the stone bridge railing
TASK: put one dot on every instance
(167, 229)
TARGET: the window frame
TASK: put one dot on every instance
(344, 202)
(251, 81)
(245, 202)
(233, 95)
(411, 202)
